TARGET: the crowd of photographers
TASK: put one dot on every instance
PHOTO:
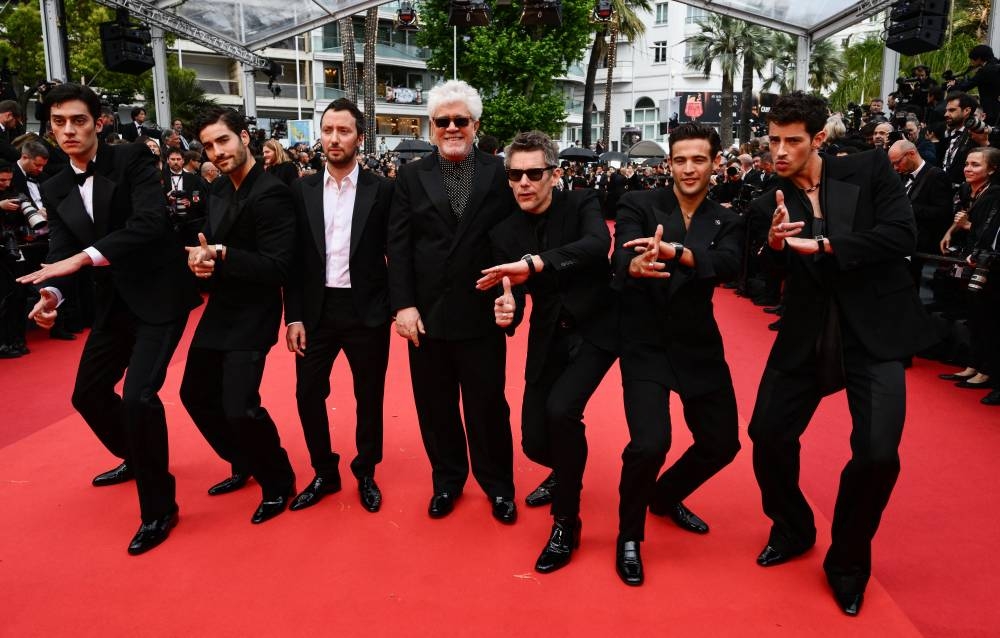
(942, 140)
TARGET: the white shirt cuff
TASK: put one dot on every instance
(96, 256)
(292, 323)
(57, 293)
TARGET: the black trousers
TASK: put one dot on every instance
(131, 426)
(473, 369)
(713, 422)
(367, 352)
(786, 401)
(221, 392)
(552, 429)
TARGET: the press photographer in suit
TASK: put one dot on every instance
(841, 227)
(337, 299)
(107, 211)
(687, 244)
(245, 253)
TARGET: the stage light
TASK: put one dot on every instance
(547, 12)
(603, 11)
(407, 18)
(469, 13)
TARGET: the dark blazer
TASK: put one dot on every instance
(931, 197)
(576, 276)
(257, 226)
(19, 182)
(987, 80)
(130, 133)
(434, 260)
(369, 273)
(286, 172)
(871, 227)
(669, 333)
(148, 267)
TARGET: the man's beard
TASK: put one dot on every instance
(239, 159)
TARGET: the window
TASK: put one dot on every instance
(660, 51)
(662, 8)
(646, 117)
(688, 52)
(694, 14)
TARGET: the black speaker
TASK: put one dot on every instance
(125, 48)
(917, 26)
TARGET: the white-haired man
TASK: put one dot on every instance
(443, 210)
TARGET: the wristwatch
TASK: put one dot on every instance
(821, 242)
(218, 251)
(531, 263)
(678, 252)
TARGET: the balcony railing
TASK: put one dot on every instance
(395, 50)
(406, 97)
(219, 87)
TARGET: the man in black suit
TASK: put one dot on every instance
(957, 143)
(10, 118)
(841, 227)
(186, 197)
(443, 209)
(930, 193)
(137, 127)
(986, 79)
(557, 247)
(687, 245)
(337, 298)
(107, 211)
(245, 252)
(28, 173)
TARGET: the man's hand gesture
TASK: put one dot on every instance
(646, 263)
(409, 325)
(201, 258)
(504, 306)
(44, 312)
(61, 268)
(295, 338)
(781, 228)
(517, 271)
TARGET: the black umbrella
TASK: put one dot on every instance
(578, 154)
(411, 145)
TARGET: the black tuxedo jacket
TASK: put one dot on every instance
(19, 182)
(148, 267)
(871, 227)
(931, 197)
(257, 226)
(576, 276)
(369, 273)
(130, 133)
(434, 260)
(669, 333)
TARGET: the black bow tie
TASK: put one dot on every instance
(82, 177)
(31, 178)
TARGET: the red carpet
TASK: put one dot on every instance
(338, 570)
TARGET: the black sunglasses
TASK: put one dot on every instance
(460, 122)
(534, 174)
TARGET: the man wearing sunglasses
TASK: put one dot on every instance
(673, 246)
(443, 209)
(555, 247)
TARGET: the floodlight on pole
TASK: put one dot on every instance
(545, 12)
(603, 11)
(469, 13)
(407, 18)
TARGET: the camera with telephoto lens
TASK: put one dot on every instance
(177, 207)
(975, 125)
(35, 219)
(983, 259)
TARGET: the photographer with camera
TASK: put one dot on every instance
(186, 194)
(12, 264)
(972, 235)
(986, 79)
(913, 133)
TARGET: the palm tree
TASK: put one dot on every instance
(350, 61)
(371, 32)
(754, 59)
(626, 22)
(720, 42)
(826, 64)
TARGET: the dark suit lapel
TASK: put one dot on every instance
(919, 182)
(218, 204)
(364, 200)
(840, 202)
(104, 189)
(235, 204)
(799, 211)
(313, 195)
(63, 188)
(430, 177)
(704, 227)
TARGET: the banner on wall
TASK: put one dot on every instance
(704, 107)
(300, 131)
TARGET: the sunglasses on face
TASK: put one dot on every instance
(443, 122)
(534, 174)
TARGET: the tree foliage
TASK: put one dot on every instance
(513, 67)
(826, 64)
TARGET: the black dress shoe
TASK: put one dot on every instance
(230, 484)
(775, 310)
(152, 534)
(769, 556)
(850, 604)
(542, 495)
(685, 518)
(628, 561)
(442, 503)
(271, 507)
(9, 352)
(968, 385)
(62, 334)
(993, 398)
(371, 496)
(317, 489)
(774, 326)
(114, 476)
(504, 510)
(956, 376)
(565, 537)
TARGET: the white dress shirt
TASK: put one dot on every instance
(338, 213)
